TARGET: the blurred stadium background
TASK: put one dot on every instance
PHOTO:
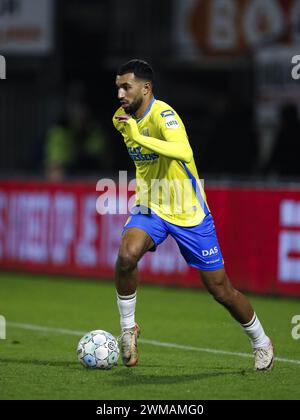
(224, 65)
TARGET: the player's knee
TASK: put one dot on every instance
(221, 297)
(221, 289)
(225, 296)
(127, 259)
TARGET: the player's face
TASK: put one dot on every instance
(130, 92)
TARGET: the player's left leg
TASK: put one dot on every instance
(200, 247)
(219, 286)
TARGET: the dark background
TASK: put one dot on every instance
(214, 97)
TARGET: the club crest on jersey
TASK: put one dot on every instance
(146, 132)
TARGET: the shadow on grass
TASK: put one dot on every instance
(143, 374)
(55, 363)
(130, 377)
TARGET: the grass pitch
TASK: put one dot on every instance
(184, 340)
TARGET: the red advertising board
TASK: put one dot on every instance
(55, 228)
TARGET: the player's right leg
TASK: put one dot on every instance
(135, 243)
(142, 233)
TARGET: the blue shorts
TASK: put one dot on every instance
(198, 245)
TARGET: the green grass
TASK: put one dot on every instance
(43, 364)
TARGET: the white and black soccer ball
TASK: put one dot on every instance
(98, 349)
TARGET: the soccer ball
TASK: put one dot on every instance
(98, 349)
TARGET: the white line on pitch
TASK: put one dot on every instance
(41, 328)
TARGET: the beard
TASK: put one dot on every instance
(134, 106)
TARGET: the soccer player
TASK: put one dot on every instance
(157, 142)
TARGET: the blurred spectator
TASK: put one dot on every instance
(284, 159)
(92, 151)
(76, 145)
(59, 150)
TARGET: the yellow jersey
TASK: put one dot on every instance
(167, 181)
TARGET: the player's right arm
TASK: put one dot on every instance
(175, 144)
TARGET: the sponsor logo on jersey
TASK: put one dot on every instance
(171, 122)
(137, 156)
(211, 251)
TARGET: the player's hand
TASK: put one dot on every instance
(123, 118)
(130, 125)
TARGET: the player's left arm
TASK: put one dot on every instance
(176, 145)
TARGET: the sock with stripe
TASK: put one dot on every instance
(256, 333)
(126, 305)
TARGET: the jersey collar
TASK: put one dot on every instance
(147, 110)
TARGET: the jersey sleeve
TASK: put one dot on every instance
(174, 143)
(170, 126)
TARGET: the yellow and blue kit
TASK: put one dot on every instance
(168, 185)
